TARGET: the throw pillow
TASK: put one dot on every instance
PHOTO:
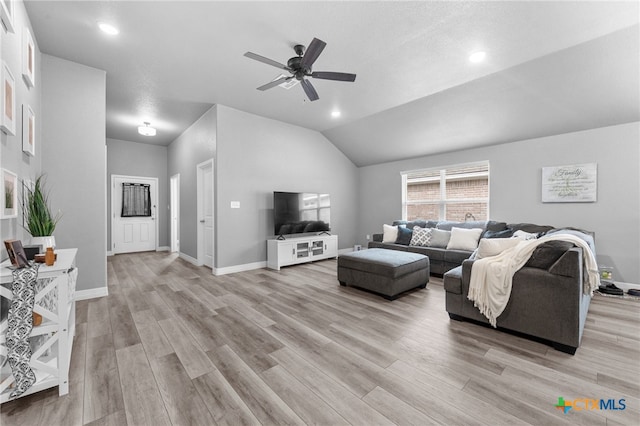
(439, 238)
(404, 236)
(389, 233)
(547, 254)
(420, 237)
(507, 233)
(525, 235)
(464, 239)
(494, 246)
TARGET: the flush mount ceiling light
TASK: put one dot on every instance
(108, 28)
(477, 57)
(147, 130)
(335, 114)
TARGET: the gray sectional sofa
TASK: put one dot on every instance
(547, 300)
(440, 259)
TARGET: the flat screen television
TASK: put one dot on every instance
(301, 212)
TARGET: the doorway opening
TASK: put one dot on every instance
(205, 206)
(174, 211)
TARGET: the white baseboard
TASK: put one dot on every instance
(189, 259)
(109, 253)
(239, 268)
(92, 293)
(345, 250)
(163, 248)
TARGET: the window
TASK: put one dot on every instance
(455, 193)
(136, 200)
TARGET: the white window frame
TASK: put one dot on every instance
(442, 202)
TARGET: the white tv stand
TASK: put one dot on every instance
(293, 251)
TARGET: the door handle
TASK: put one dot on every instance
(202, 221)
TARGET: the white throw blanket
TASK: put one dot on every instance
(491, 277)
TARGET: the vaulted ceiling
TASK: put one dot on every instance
(550, 68)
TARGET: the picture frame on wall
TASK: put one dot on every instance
(9, 200)
(6, 14)
(28, 130)
(28, 58)
(8, 107)
(574, 183)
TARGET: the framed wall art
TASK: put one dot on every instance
(28, 58)
(8, 107)
(28, 130)
(9, 201)
(576, 183)
(6, 14)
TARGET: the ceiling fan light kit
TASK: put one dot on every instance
(300, 68)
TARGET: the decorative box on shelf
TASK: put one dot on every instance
(51, 341)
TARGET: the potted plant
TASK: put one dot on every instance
(38, 219)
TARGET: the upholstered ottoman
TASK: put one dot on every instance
(387, 272)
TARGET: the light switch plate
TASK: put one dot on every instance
(235, 204)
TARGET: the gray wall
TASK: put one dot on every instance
(196, 145)
(516, 189)
(139, 159)
(74, 159)
(11, 156)
(256, 156)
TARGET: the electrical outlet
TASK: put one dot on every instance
(368, 237)
(235, 204)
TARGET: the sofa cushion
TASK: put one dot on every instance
(421, 236)
(453, 280)
(389, 233)
(436, 255)
(494, 246)
(456, 256)
(404, 236)
(439, 238)
(464, 239)
(390, 246)
(546, 254)
(505, 233)
(529, 227)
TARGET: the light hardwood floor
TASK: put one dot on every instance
(172, 344)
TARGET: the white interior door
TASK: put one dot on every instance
(175, 213)
(135, 233)
(205, 213)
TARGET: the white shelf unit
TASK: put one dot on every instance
(51, 341)
(298, 250)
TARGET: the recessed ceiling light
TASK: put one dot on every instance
(147, 130)
(477, 57)
(335, 114)
(108, 28)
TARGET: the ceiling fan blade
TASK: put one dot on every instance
(313, 51)
(338, 76)
(266, 61)
(274, 83)
(309, 90)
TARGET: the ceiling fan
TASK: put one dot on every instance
(301, 66)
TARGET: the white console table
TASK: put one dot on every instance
(51, 341)
(293, 251)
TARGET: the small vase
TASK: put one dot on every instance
(49, 257)
(44, 242)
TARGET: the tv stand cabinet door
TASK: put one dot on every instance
(280, 253)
